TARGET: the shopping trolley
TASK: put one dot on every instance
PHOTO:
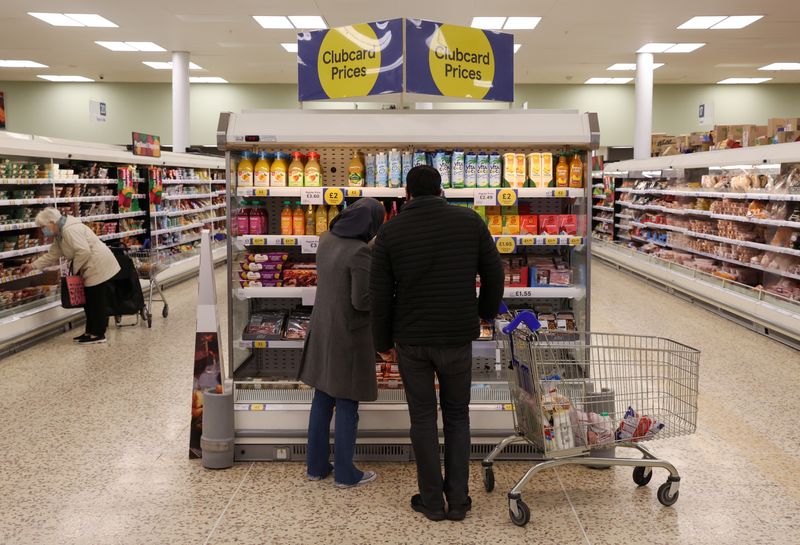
(149, 263)
(576, 392)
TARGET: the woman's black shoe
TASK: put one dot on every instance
(419, 507)
(459, 512)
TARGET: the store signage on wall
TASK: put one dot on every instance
(146, 144)
(352, 61)
(458, 61)
(2, 111)
(98, 111)
(705, 114)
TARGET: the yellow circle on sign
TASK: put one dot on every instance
(461, 61)
(506, 197)
(349, 61)
(505, 245)
(333, 196)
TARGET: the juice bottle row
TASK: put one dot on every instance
(279, 170)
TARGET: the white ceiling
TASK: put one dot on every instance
(576, 40)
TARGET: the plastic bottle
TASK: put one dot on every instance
(310, 221)
(562, 172)
(576, 172)
(395, 168)
(243, 220)
(244, 171)
(298, 220)
(333, 211)
(257, 221)
(261, 171)
(296, 170)
(312, 173)
(277, 171)
(355, 171)
(321, 219)
(286, 218)
(408, 159)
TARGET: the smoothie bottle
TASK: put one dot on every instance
(244, 172)
(286, 218)
(261, 171)
(310, 220)
(277, 171)
(321, 219)
(333, 211)
(562, 172)
(355, 171)
(298, 220)
(576, 172)
(313, 171)
(296, 170)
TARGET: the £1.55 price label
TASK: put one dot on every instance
(485, 197)
(333, 196)
(521, 292)
(311, 195)
(309, 245)
(575, 241)
(507, 197)
(506, 245)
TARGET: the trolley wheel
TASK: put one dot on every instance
(664, 497)
(149, 320)
(524, 513)
(640, 476)
(165, 310)
(488, 478)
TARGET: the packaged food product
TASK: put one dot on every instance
(471, 170)
(495, 170)
(268, 257)
(381, 169)
(568, 224)
(510, 225)
(265, 266)
(408, 160)
(560, 277)
(576, 172)
(260, 275)
(395, 168)
(300, 277)
(548, 224)
(264, 326)
(495, 224)
(443, 163)
(457, 169)
(244, 170)
(312, 173)
(278, 171)
(509, 170)
(261, 171)
(519, 179)
(419, 159)
(298, 221)
(286, 218)
(562, 172)
(261, 283)
(297, 325)
(528, 225)
(534, 161)
(320, 219)
(369, 170)
(482, 165)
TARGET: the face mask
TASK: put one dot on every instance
(47, 232)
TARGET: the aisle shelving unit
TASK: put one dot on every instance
(727, 220)
(86, 181)
(271, 406)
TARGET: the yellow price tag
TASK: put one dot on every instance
(259, 344)
(258, 241)
(257, 407)
(527, 241)
(551, 241)
(505, 245)
(334, 196)
(353, 192)
(289, 241)
(560, 192)
(575, 241)
(507, 197)
(261, 191)
(508, 407)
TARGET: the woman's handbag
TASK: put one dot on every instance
(73, 292)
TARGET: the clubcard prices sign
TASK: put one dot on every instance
(148, 145)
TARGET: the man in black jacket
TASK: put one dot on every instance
(422, 292)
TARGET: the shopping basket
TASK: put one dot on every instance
(575, 393)
(149, 263)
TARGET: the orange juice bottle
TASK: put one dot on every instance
(298, 221)
(312, 174)
(244, 171)
(277, 171)
(562, 172)
(296, 170)
(576, 172)
(355, 171)
(261, 171)
(286, 218)
(321, 219)
(333, 211)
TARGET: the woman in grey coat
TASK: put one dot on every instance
(339, 357)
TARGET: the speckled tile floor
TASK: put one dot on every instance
(93, 450)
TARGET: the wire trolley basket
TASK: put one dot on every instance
(149, 264)
(577, 396)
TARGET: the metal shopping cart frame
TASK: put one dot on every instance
(149, 263)
(550, 373)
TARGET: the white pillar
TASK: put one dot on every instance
(644, 106)
(180, 101)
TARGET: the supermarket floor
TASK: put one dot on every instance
(93, 450)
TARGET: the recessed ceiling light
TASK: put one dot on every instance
(631, 67)
(743, 81)
(273, 21)
(684, 48)
(488, 23)
(702, 22)
(516, 47)
(607, 81)
(521, 23)
(619, 81)
(21, 64)
(782, 66)
(308, 22)
(131, 46)
(207, 79)
(74, 19)
(160, 65)
(596, 81)
(655, 47)
(291, 47)
(737, 21)
(64, 79)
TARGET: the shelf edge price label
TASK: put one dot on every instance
(259, 344)
(575, 241)
(333, 196)
(354, 192)
(506, 245)
(261, 191)
(507, 197)
(257, 407)
(311, 195)
(485, 197)
(521, 292)
(551, 241)
(527, 241)
(309, 245)
(258, 241)
(561, 192)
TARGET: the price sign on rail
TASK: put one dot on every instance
(485, 197)
(309, 245)
(507, 197)
(506, 245)
(311, 195)
(354, 192)
(261, 191)
(521, 292)
(333, 196)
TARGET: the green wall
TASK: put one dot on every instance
(62, 109)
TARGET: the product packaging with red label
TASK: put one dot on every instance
(568, 224)
(528, 225)
(548, 224)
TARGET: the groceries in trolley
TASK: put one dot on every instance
(635, 427)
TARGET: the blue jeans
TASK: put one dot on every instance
(319, 431)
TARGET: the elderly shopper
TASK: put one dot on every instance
(339, 358)
(91, 259)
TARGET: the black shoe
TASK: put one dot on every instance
(459, 512)
(91, 339)
(417, 505)
(80, 337)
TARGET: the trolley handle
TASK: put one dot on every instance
(527, 317)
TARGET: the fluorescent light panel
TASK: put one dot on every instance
(684, 48)
(702, 22)
(631, 67)
(74, 19)
(659, 47)
(131, 46)
(719, 22)
(742, 81)
(291, 47)
(782, 66)
(21, 64)
(608, 81)
(160, 65)
(737, 22)
(521, 23)
(516, 47)
(207, 79)
(273, 21)
(64, 79)
(488, 23)
(308, 22)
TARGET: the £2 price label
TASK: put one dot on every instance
(560, 192)
(261, 191)
(505, 245)
(333, 196)
(311, 195)
(507, 197)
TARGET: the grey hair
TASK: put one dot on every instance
(47, 216)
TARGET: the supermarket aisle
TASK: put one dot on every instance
(94, 448)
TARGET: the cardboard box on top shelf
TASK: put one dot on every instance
(783, 137)
(786, 123)
(763, 141)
